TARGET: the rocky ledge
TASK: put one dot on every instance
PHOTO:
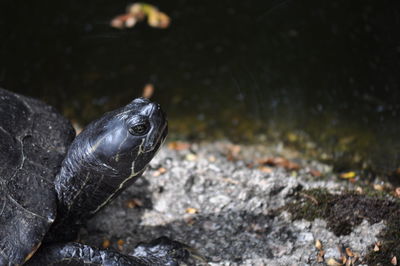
(248, 205)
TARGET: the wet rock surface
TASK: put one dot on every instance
(231, 213)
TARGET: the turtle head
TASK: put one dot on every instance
(107, 156)
(128, 138)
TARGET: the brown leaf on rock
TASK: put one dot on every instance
(348, 175)
(315, 173)
(191, 210)
(134, 203)
(332, 262)
(349, 252)
(359, 190)
(379, 187)
(120, 244)
(265, 169)
(106, 243)
(178, 145)
(233, 152)
(320, 256)
(279, 161)
(318, 244)
(160, 171)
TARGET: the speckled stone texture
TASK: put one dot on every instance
(226, 210)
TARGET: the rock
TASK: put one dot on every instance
(237, 221)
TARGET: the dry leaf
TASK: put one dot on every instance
(137, 12)
(212, 158)
(233, 152)
(120, 244)
(106, 243)
(148, 91)
(318, 244)
(178, 145)
(265, 169)
(123, 21)
(133, 203)
(332, 262)
(397, 192)
(320, 256)
(349, 252)
(359, 190)
(348, 175)
(158, 20)
(315, 173)
(160, 171)
(191, 157)
(379, 187)
(279, 161)
(191, 210)
(394, 261)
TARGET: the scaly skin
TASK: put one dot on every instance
(161, 251)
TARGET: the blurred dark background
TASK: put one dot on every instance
(319, 75)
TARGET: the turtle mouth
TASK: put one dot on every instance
(157, 140)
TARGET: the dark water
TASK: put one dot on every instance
(321, 75)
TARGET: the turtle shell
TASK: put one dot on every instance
(34, 139)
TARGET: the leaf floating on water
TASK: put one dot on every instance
(123, 21)
(148, 91)
(348, 175)
(138, 12)
(158, 20)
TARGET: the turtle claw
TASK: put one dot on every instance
(164, 251)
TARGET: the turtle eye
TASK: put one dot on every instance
(139, 129)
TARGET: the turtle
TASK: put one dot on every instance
(52, 181)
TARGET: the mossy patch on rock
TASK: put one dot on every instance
(344, 211)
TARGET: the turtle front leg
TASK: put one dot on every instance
(161, 251)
